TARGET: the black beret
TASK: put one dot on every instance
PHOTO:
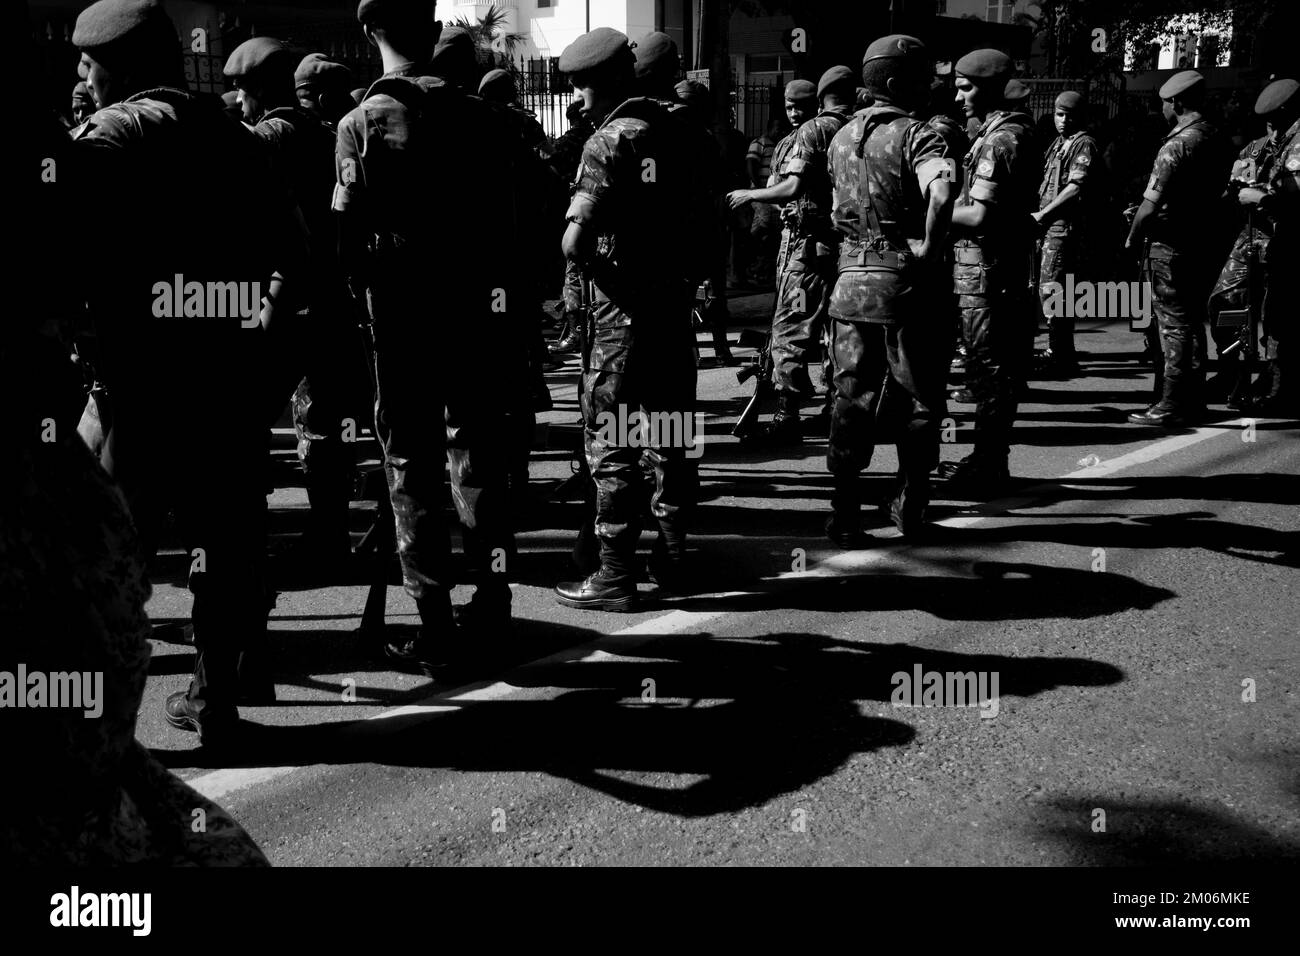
(893, 46)
(454, 55)
(497, 85)
(692, 93)
(114, 22)
(1016, 91)
(256, 54)
(836, 76)
(798, 90)
(603, 46)
(368, 10)
(1070, 101)
(984, 65)
(316, 69)
(656, 52)
(1180, 83)
(1275, 96)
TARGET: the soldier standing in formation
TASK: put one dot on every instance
(891, 202)
(630, 201)
(324, 88)
(1260, 180)
(806, 262)
(991, 267)
(1069, 166)
(1185, 186)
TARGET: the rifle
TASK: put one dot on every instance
(1247, 319)
(761, 369)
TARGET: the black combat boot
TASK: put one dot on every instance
(569, 339)
(435, 648)
(975, 477)
(844, 526)
(605, 590)
(784, 428)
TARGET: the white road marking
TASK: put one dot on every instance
(218, 783)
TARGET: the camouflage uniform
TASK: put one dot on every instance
(805, 262)
(1185, 182)
(991, 272)
(890, 354)
(1279, 301)
(431, 409)
(640, 354)
(1069, 161)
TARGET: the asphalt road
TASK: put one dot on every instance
(1126, 596)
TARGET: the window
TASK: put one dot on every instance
(544, 3)
(1000, 11)
(942, 9)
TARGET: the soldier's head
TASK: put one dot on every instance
(127, 46)
(498, 86)
(1182, 93)
(1069, 115)
(837, 87)
(455, 59)
(602, 68)
(698, 101)
(262, 70)
(1279, 105)
(657, 65)
(323, 87)
(400, 29)
(83, 103)
(982, 77)
(898, 70)
(800, 102)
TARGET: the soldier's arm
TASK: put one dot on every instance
(787, 190)
(934, 175)
(991, 168)
(1154, 196)
(349, 204)
(1080, 169)
(803, 154)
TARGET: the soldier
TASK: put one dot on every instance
(890, 176)
(394, 207)
(631, 195)
(1184, 188)
(1063, 198)
(498, 86)
(323, 88)
(185, 434)
(1259, 184)
(991, 271)
(310, 349)
(807, 258)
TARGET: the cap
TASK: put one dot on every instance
(692, 93)
(1070, 101)
(114, 22)
(256, 54)
(454, 54)
(656, 53)
(369, 10)
(603, 46)
(798, 90)
(894, 46)
(497, 85)
(316, 69)
(1275, 96)
(1016, 91)
(836, 76)
(984, 65)
(1180, 83)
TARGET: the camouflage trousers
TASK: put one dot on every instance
(1178, 300)
(432, 422)
(1060, 254)
(997, 327)
(889, 387)
(799, 324)
(625, 376)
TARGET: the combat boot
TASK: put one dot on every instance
(666, 567)
(569, 339)
(1164, 414)
(722, 349)
(605, 590)
(844, 526)
(434, 650)
(785, 427)
(217, 730)
(975, 477)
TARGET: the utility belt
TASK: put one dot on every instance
(967, 252)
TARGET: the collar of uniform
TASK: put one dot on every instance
(159, 93)
(842, 111)
(1292, 130)
(635, 107)
(1195, 118)
(287, 111)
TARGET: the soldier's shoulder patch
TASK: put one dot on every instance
(985, 167)
(1293, 163)
(1154, 184)
(348, 172)
(1083, 160)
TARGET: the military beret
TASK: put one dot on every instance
(603, 46)
(655, 52)
(112, 22)
(1180, 83)
(316, 69)
(454, 53)
(797, 90)
(1070, 101)
(984, 65)
(893, 46)
(368, 10)
(1016, 91)
(497, 85)
(692, 93)
(1275, 96)
(256, 54)
(836, 76)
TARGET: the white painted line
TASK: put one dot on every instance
(218, 783)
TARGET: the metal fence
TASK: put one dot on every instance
(544, 90)
(1104, 97)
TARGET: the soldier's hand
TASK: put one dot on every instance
(921, 249)
(1250, 196)
(739, 197)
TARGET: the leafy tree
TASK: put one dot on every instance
(494, 47)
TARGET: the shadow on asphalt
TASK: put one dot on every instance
(789, 715)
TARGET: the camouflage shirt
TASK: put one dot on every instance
(807, 158)
(1002, 171)
(879, 190)
(301, 155)
(1069, 160)
(953, 133)
(1186, 182)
